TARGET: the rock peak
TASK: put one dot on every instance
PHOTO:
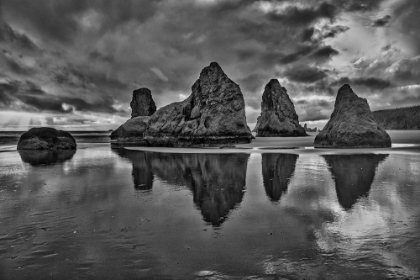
(278, 116)
(212, 73)
(215, 65)
(142, 103)
(274, 83)
(345, 91)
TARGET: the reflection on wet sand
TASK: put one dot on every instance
(216, 180)
(277, 171)
(353, 175)
(40, 157)
(142, 175)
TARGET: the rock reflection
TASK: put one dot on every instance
(42, 157)
(142, 174)
(353, 175)
(217, 181)
(277, 170)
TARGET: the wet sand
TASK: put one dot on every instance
(102, 213)
(403, 142)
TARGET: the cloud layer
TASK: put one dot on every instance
(80, 60)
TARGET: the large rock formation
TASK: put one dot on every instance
(213, 114)
(278, 116)
(46, 138)
(132, 131)
(399, 118)
(351, 124)
(142, 103)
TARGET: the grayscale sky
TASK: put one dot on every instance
(74, 64)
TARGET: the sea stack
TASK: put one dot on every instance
(46, 138)
(278, 116)
(214, 114)
(142, 103)
(132, 131)
(352, 124)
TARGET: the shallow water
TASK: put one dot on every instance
(119, 214)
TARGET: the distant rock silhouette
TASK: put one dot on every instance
(142, 174)
(308, 129)
(353, 175)
(42, 157)
(213, 114)
(46, 138)
(277, 170)
(132, 131)
(278, 116)
(399, 118)
(351, 124)
(142, 103)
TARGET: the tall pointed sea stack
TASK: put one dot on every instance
(213, 114)
(351, 124)
(278, 116)
(132, 131)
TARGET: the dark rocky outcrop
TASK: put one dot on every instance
(213, 114)
(351, 124)
(399, 118)
(132, 131)
(142, 103)
(46, 138)
(277, 171)
(278, 116)
(353, 175)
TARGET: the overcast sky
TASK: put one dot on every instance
(74, 64)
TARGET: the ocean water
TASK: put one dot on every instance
(102, 213)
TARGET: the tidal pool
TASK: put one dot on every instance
(101, 213)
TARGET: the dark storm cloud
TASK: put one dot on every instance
(30, 97)
(17, 40)
(305, 74)
(380, 22)
(359, 5)
(295, 56)
(60, 20)
(96, 55)
(372, 83)
(405, 20)
(91, 54)
(13, 64)
(408, 70)
(307, 34)
(295, 15)
(333, 31)
(324, 52)
(314, 35)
